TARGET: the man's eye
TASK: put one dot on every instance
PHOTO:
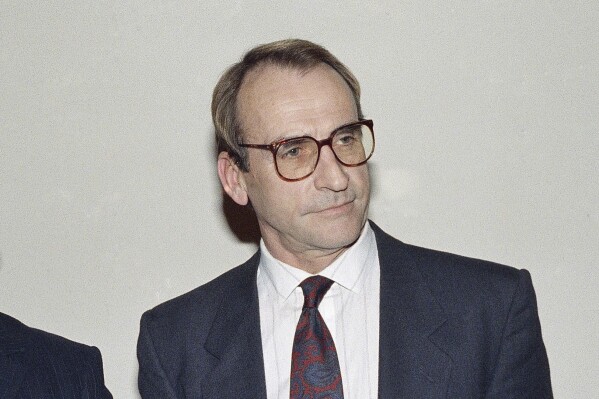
(290, 152)
(346, 138)
(296, 148)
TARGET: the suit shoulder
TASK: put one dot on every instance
(45, 348)
(465, 280)
(34, 338)
(54, 360)
(455, 279)
(169, 330)
(202, 302)
(448, 265)
(56, 346)
(9, 323)
(440, 264)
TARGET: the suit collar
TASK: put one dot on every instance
(235, 341)
(413, 327)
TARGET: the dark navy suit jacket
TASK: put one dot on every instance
(38, 365)
(450, 327)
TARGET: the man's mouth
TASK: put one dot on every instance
(337, 208)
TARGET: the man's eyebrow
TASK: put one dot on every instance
(290, 135)
(294, 135)
(347, 125)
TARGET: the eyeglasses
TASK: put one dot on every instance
(296, 158)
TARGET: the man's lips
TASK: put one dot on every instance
(336, 208)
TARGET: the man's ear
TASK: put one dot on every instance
(231, 178)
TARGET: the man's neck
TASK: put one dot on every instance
(311, 261)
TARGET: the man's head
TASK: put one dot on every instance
(296, 54)
(290, 93)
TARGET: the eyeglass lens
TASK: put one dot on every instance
(297, 158)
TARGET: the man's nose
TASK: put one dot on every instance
(329, 173)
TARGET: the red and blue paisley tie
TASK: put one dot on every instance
(315, 369)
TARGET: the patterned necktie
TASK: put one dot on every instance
(315, 369)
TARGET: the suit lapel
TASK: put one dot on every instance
(12, 354)
(412, 359)
(235, 342)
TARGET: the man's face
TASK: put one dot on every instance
(324, 213)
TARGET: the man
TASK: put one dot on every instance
(35, 364)
(381, 318)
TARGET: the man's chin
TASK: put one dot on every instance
(338, 235)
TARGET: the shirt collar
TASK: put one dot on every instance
(346, 270)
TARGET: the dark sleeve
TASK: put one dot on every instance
(522, 368)
(152, 379)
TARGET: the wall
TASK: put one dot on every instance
(487, 145)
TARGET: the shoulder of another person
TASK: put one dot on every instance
(43, 343)
(44, 350)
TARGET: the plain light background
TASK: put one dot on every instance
(486, 118)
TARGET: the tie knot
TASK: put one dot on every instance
(314, 289)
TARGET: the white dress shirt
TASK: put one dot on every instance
(350, 309)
